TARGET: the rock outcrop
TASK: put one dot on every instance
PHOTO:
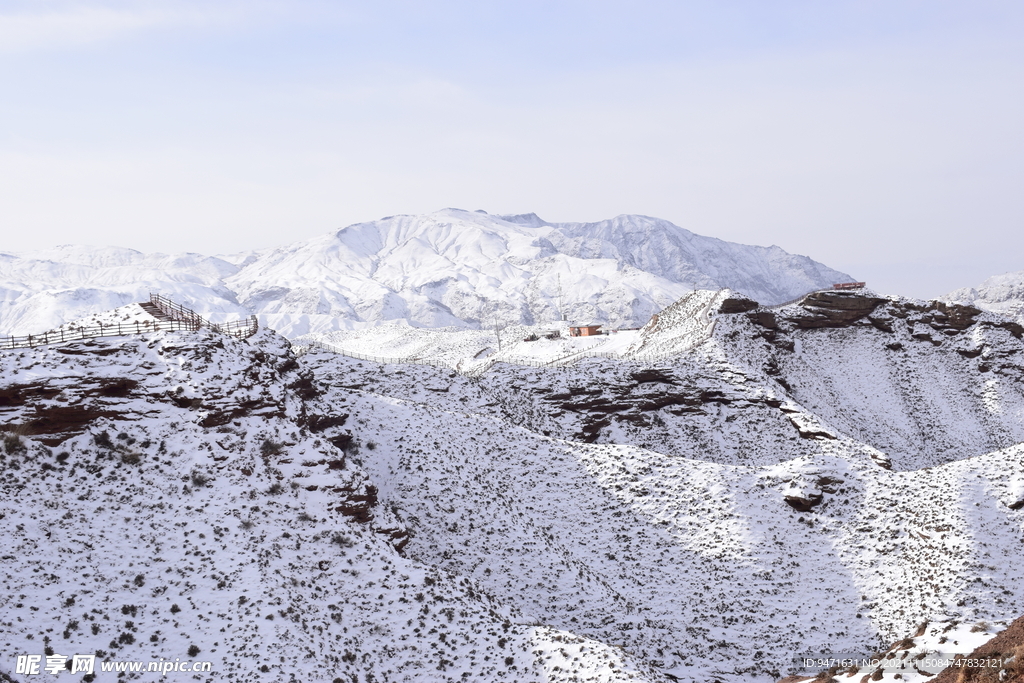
(737, 304)
(835, 309)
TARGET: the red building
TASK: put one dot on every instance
(584, 330)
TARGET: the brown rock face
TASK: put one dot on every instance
(1015, 329)
(765, 319)
(1003, 654)
(357, 501)
(954, 316)
(804, 504)
(85, 400)
(939, 315)
(737, 305)
(835, 309)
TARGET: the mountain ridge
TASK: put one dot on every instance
(448, 268)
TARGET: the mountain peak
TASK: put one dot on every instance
(530, 220)
(452, 267)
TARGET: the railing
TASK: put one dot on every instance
(477, 369)
(78, 333)
(179, 318)
(799, 298)
(300, 349)
(175, 311)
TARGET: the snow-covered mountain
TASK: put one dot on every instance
(818, 478)
(999, 294)
(448, 268)
(464, 268)
(768, 386)
(188, 505)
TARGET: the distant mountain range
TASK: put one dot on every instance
(999, 294)
(447, 268)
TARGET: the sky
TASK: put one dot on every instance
(882, 138)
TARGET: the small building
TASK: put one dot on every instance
(584, 330)
(850, 285)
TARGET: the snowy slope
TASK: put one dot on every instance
(923, 382)
(177, 491)
(1000, 294)
(751, 529)
(652, 245)
(812, 479)
(684, 325)
(703, 569)
(738, 485)
(448, 268)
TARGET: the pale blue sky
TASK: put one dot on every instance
(882, 138)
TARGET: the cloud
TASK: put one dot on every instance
(71, 27)
(59, 25)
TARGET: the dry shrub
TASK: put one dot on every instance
(12, 439)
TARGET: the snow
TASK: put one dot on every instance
(155, 531)
(672, 555)
(709, 497)
(685, 324)
(460, 268)
(520, 539)
(688, 546)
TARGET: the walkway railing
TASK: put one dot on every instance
(78, 333)
(304, 347)
(178, 318)
(175, 311)
(799, 298)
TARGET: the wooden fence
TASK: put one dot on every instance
(798, 299)
(178, 318)
(78, 333)
(478, 369)
(174, 311)
(300, 349)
